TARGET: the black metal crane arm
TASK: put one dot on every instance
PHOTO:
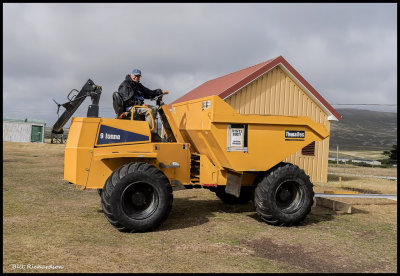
(89, 89)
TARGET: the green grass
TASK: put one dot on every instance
(46, 221)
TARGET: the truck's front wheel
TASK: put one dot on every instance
(284, 195)
(137, 197)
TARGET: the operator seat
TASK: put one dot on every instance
(118, 103)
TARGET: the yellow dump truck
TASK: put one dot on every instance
(205, 144)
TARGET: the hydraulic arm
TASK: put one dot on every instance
(89, 89)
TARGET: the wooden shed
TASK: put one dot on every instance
(274, 87)
(23, 130)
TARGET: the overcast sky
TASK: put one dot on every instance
(347, 52)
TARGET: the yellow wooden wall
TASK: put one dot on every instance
(275, 93)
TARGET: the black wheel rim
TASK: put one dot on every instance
(139, 200)
(289, 197)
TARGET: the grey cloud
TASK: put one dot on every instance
(348, 52)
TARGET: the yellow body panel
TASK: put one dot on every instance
(89, 161)
(77, 157)
(204, 123)
(209, 173)
(174, 127)
(213, 175)
(106, 160)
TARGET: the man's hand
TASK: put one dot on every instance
(165, 92)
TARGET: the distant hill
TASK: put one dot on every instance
(364, 129)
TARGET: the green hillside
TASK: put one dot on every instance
(364, 130)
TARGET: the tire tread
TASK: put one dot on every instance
(115, 178)
(264, 186)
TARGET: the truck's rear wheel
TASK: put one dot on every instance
(137, 197)
(246, 194)
(284, 196)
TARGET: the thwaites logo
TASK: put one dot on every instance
(294, 135)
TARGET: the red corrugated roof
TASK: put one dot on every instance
(226, 85)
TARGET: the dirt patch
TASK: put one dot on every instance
(314, 260)
(220, 248)
(10, 160)
(367, 235)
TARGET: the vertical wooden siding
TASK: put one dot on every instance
(275, 93)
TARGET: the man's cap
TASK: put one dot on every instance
(136, 72)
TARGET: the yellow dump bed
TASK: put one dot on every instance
(242, 142)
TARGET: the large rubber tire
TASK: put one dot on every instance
(246, 194)
(137, 197)
(284, 195)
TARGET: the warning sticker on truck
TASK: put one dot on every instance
(237, 137)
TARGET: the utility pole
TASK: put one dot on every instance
(337, 154)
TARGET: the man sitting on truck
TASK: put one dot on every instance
(133, 93)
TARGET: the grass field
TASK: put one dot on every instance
(49, 226)
(359, 154)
